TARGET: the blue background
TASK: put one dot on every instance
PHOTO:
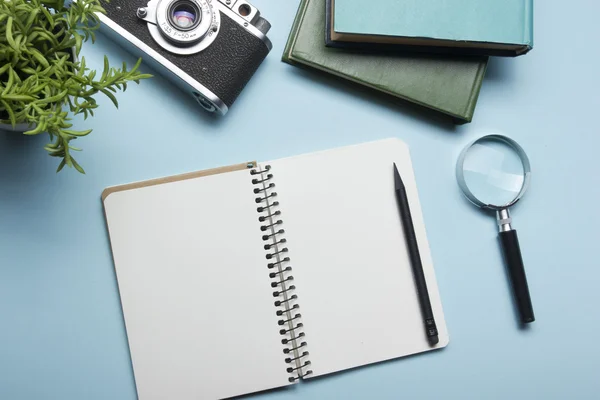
(61, 329)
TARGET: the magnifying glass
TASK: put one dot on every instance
(494, 173)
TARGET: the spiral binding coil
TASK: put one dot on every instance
(280, 273)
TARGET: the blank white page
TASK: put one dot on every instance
(351, 266)
(195, 289)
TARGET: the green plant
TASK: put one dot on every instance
(42, 83)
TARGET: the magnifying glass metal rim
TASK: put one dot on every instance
(460, 176)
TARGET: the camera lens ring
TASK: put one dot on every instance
(182, 11)
(203, 23)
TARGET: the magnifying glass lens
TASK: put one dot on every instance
(493, 171)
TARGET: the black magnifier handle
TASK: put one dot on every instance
(516, 270)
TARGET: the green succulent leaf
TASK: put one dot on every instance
(77, 166)
(17, 97)
(55, 98)
(11, 81)
(9, 110)
(35, 53)
(9, 33)
(111, 97)
(77, 133)
(32, 17)
(41, 126)
(61, 165)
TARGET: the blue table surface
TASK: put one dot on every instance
(61, 328)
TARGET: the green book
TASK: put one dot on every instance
(448, 84)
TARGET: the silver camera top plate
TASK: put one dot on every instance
(243, 9)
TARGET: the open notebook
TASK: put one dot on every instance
(251, 277)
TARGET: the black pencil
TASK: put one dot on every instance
(415, 259)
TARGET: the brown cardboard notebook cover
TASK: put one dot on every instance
(175, 178)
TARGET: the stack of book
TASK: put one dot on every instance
(430, 52)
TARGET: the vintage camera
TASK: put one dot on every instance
(210, 48)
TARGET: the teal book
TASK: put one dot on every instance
(488, 27)
(446, 84)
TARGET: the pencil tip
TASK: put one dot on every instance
(397, 179)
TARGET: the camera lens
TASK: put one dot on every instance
(184, 27)
(185, 15)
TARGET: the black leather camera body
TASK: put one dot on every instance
(209, 48)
